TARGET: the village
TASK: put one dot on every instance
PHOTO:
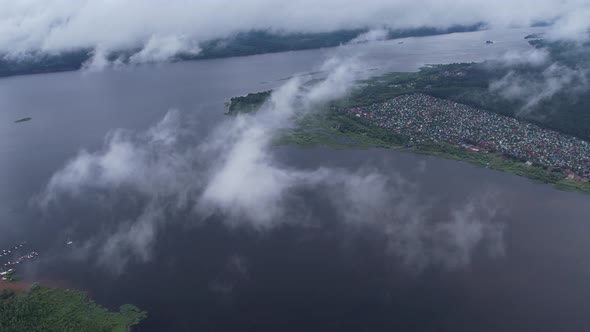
(423, 119)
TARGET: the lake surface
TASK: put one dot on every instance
(515, 259)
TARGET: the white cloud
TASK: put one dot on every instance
(131, 240)
(162, 27)
(573, 25)
(372, 35)
(555, 78)
(163, 48)
(534, 57)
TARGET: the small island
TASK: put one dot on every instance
(246, 104)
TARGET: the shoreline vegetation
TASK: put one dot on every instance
(28, 308)
(350, 122)
(241, 44)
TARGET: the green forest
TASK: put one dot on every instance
(43, 309)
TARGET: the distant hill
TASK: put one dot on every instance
(241, 44)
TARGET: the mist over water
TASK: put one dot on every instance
(364, 239)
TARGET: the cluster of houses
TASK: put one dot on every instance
(425, 119)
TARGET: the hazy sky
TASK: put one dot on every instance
(164, 26)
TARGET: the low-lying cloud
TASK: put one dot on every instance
(531, 91)
(159, 29)
(372, 35)
(533, 57)
(169, 173)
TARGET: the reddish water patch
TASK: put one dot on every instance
(17, 286)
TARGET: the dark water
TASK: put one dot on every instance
(326, 275)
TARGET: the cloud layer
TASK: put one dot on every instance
(160, 28)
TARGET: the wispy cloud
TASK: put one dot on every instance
(233, 172)
(371, 35)
(160, 29)
(531, 90)
(533, 57)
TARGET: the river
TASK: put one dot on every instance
(517, 262)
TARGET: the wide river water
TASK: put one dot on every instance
(516, 259)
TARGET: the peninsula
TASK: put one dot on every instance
(450, 111)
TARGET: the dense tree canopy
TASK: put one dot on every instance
(45, 309)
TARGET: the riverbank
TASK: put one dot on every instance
(330, 137)
(501, 163)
